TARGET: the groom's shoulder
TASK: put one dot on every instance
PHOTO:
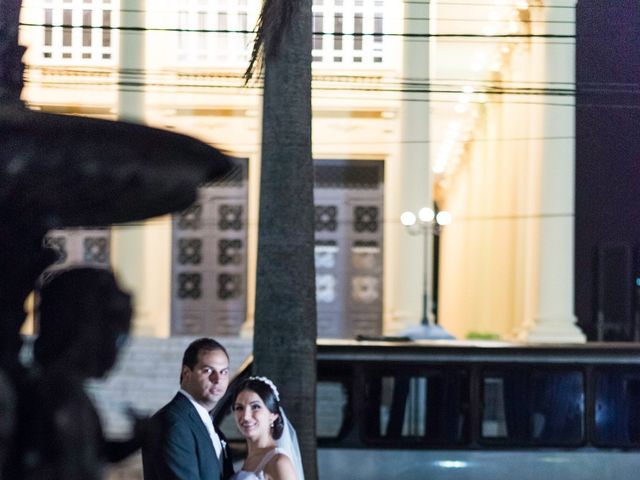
(176, 407)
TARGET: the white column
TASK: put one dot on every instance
(555, 320)
(410, 176)
(132, 60)
(141, 254)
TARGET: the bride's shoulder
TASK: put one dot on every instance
(280, 467)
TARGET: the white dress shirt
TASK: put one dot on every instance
(206, 419)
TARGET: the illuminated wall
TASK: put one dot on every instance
(187, 77)
(485, 124)
(503, 159)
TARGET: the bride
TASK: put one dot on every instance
(273, 452)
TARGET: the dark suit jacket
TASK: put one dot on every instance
(178, 446)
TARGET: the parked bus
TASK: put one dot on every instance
(486, 411)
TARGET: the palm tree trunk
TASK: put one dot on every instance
(285, 312)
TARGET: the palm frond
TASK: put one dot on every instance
(275, 19)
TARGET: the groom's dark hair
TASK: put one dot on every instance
(205, 344)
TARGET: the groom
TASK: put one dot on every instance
(181, 442)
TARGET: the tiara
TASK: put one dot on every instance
(271, 385)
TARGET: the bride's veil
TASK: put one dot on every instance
(289, 443)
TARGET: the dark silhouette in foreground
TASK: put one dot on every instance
(61, 171)
(84, 319)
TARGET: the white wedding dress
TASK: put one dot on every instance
(258, 473)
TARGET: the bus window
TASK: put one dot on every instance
(494, 423)
(332, 409)
(419, 408)
(617, 408)
(538, 406)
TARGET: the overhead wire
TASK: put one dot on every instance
(478, 4)
(346, 84)
(110, 70)
(339, 9)
(401, 86)
(384, 221)
(177, 88)
(322, 85)
(316, 33)
(416, 87)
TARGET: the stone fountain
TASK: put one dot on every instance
(61, 171)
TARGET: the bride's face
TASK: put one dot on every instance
(252, 416)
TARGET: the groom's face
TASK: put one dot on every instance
(208, 380)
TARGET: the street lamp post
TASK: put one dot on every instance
(426, 223)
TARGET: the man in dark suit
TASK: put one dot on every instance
(181, 441)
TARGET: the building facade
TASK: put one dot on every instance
(414, 103)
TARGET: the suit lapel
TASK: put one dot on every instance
(207, 458)
(199, 426)
(195, 418)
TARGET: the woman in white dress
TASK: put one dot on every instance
(272, 447)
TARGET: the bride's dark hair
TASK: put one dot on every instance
(268, 396)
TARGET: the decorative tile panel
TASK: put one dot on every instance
(365, 289)
(325, 288)
(191, 218)
(348, 258)
(365, 219)
(189, 285)
(79, 246)
(349, 175)
(209, 240)
(365, 257)
(96, 250)
(190, 251)
(230, 217)
(59, 244)
(326, 218)
(325, 256)
(229, 286)
(230, 252)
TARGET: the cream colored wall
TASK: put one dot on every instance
(489, 255)
(360, 122)
(346, 124)
(59, 88)
(507, 260)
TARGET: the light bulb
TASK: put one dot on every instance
(444, 218)
(425, 214)
(407, 219)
